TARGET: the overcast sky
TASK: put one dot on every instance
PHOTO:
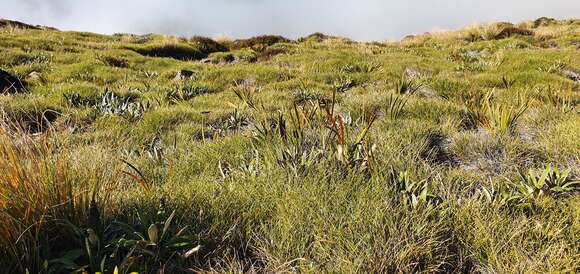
(357, 19)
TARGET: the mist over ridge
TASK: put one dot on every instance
(359, 20)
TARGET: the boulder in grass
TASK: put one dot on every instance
(33, 76)
(183, 74)
(412, 73)
(10, 83)
(427, 92)
(572, 75)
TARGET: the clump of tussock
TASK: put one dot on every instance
(258, 43)
(196, 50)
(30, 118)
(181, 52)
(543, 22)
(484, 111)
(186, 92)
(269, 53)
(114, 61)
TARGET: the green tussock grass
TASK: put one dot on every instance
(443, 152)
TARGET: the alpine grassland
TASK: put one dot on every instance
(444, 152)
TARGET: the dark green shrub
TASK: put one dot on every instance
(207, 44)
(259, 43)
(175, 51)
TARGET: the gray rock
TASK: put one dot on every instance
(412, 73)
(33, 76)
(427, 92)
(183, 74)
(572, 75)
(473, 52)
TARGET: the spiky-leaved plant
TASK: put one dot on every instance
(394, 106)
(407, 85)
(550, 181)
(413, 193)
(496, 118)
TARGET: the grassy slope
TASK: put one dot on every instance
(251, 207)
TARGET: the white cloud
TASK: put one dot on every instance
(358, 19)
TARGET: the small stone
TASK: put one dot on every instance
(35, 75)
(473, 52)
(427, 92)
(183, 74)
(572, 75)
(412, 73)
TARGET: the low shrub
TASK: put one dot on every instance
(114, 61)
(176, 51)
(258, 43)
(208, 45)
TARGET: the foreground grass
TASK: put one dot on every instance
(318, 155)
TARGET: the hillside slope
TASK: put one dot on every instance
(444, 152)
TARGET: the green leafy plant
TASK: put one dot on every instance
(305, 134)
(247, 94)
(413, 193)
(111, 104)
(550, 181)
(556, 67)
(495, 117)
(117, 246)
(185, 93)
(303, 96)
(507, 82)
(407, 85)
(357, 152)
(394, 106)
(232, 122)
(39, 58)
(343, 83)
(74, 99)
(560, 99)
(368, 67)
(533, 185)
(157, 240)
